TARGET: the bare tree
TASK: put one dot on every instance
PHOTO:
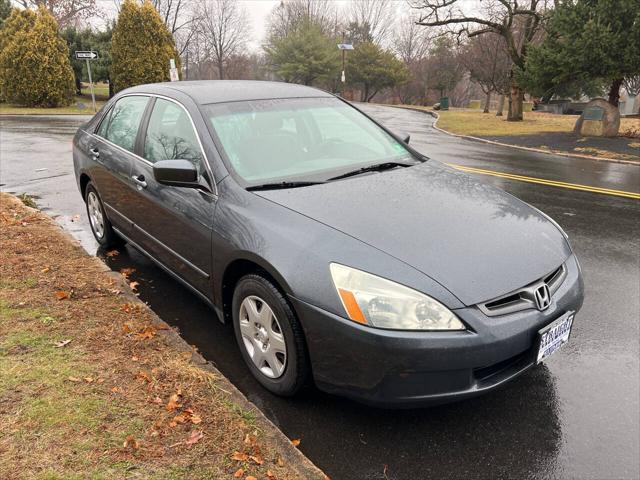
(289, 14)
(66, 12)
(518, 23)
(632, 85)
(224, 29)
(486, 58)
(377, 16)
(172, 13)
(411, 42)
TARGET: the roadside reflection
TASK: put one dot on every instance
(511, 433)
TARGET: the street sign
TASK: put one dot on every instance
(173, 71)
(86, 55)
(345, 46)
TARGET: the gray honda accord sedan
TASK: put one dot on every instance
(340, 254)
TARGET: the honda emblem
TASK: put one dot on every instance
(542, 296)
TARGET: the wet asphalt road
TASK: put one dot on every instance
(576, 416)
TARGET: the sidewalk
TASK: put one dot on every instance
(94, 385)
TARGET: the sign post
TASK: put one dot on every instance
(344, 47)
(173, 71)
(88, 55)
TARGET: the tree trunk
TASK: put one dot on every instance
(515, 103)
(220, 71)
(614, 92)
(500, 105)
(78, 86)
(487, 102)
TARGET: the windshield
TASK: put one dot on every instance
(300, 139)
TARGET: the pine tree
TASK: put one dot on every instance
(590, 45)
(304, 56)
(141, 47)
(34, 63)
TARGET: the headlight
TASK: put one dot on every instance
(374, 301)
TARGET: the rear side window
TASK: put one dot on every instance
(121, 124)
(170, 135)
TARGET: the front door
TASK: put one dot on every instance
(173, 224)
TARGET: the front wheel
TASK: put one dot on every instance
(269, 336)
(100, 225)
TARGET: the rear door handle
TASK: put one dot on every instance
(94, 152)
(139, 181)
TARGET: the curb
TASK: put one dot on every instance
(518, 147)
(305, 468)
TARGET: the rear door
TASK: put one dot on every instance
(173, 224)
(112, 147)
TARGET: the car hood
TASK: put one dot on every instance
(477, 241)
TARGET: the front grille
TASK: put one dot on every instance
(523, 298)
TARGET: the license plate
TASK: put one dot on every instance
(553, 336)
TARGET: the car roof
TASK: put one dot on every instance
(222, 91)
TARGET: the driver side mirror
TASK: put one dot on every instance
(177, 173)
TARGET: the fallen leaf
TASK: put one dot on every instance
(239, 456)
(280, 462)
(126, 328)
(238, 473)
(271, 475)
(116, 390)
(61, 295)
(74, 379)
(126, 271)
(131, 443)
(146, 332)
(174, 401)
(251, 477)
(133, 286)
(195, 419)
(257, 458)
(194, 438)
(112, 253)
(250, 439)
(88, 379)
(62, 343)
(45, 269)
(295, 442)
(142, 375)
(134, 359)
(182, 417)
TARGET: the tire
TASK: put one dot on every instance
(100, 225)
(286, 376)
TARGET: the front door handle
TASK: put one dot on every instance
(139, 181)
(94, 152)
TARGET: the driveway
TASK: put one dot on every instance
(575, 416)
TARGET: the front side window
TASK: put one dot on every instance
(300, 139)
(170, 135)
(121, 124)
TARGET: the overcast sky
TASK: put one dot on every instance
(258, 12)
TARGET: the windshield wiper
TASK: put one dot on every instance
(278, 185)
(379, 167)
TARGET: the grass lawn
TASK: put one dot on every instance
(93, 385)
(476, 123)
(73, 109)
(101, 91)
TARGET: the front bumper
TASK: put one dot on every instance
(393, 368)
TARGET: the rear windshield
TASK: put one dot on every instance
(300, 139)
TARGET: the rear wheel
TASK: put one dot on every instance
(100, 225)
(269, 336)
